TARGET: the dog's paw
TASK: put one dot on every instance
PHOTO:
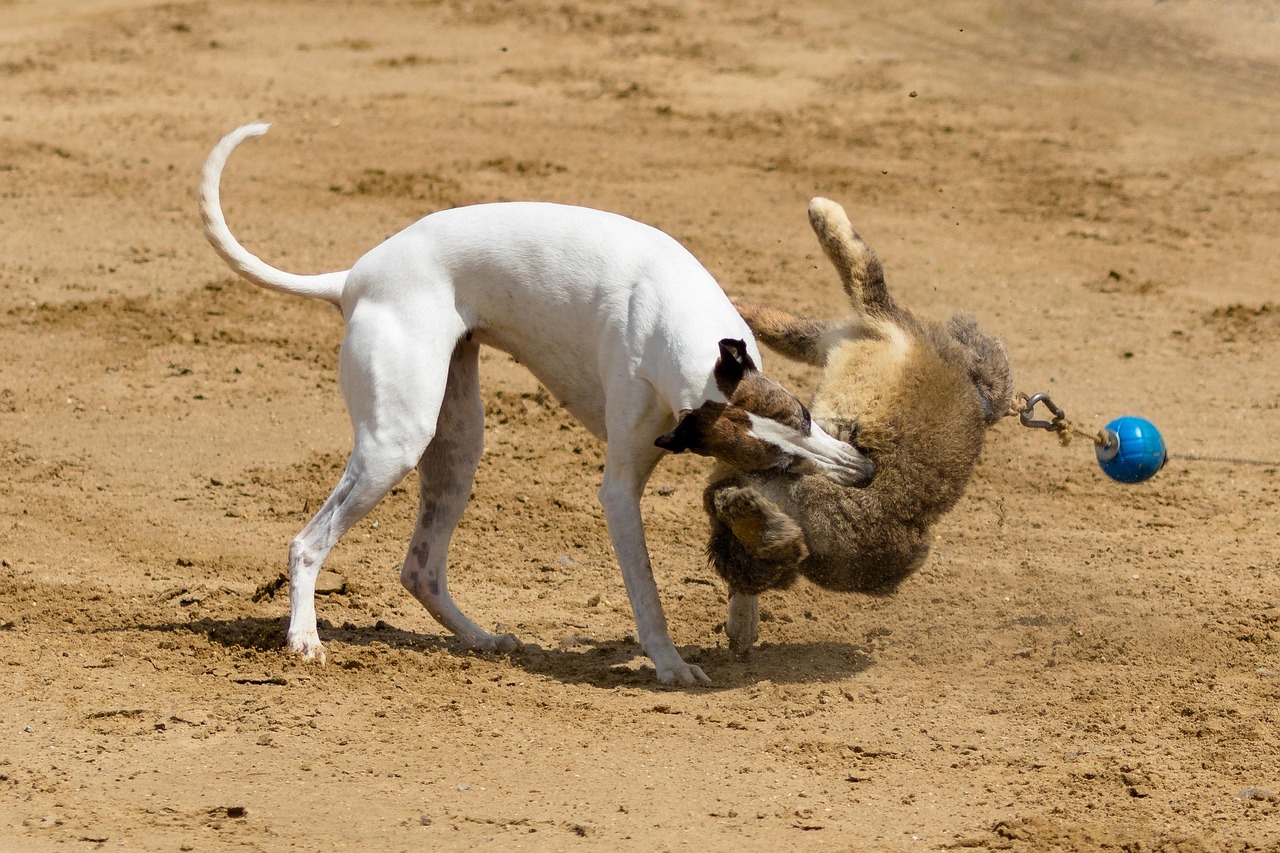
(682, 675)
(307, 647)
(496, 643)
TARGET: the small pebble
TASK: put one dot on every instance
(330, 583)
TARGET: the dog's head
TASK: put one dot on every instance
(762, 427)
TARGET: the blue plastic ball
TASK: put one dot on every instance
(1134, 450)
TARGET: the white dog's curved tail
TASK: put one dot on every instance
(326, 286)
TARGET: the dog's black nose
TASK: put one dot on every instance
(680, 439)
(866, 471)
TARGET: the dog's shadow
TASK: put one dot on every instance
(619, 663)
(606, 664)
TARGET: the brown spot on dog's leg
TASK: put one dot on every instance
(421, 553)
(428, 516)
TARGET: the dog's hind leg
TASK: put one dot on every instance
(445, 474)
(393, 422)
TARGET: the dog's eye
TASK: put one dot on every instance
(806, 420)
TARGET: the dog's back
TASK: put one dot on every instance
(544, 282)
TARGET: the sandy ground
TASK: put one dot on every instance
(1081, 665)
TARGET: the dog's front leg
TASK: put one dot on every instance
(626, 471)
(622, 512)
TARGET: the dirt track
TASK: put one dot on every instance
(1080, 665)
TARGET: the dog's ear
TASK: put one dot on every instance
(987, 363)
(734, 363)
(748, 389)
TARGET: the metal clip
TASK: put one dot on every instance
(1059, 422)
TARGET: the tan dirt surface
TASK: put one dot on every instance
(1080, 665)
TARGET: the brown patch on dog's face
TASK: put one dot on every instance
(762, 427)
(723, 432)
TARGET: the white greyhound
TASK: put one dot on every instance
(615, 318)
